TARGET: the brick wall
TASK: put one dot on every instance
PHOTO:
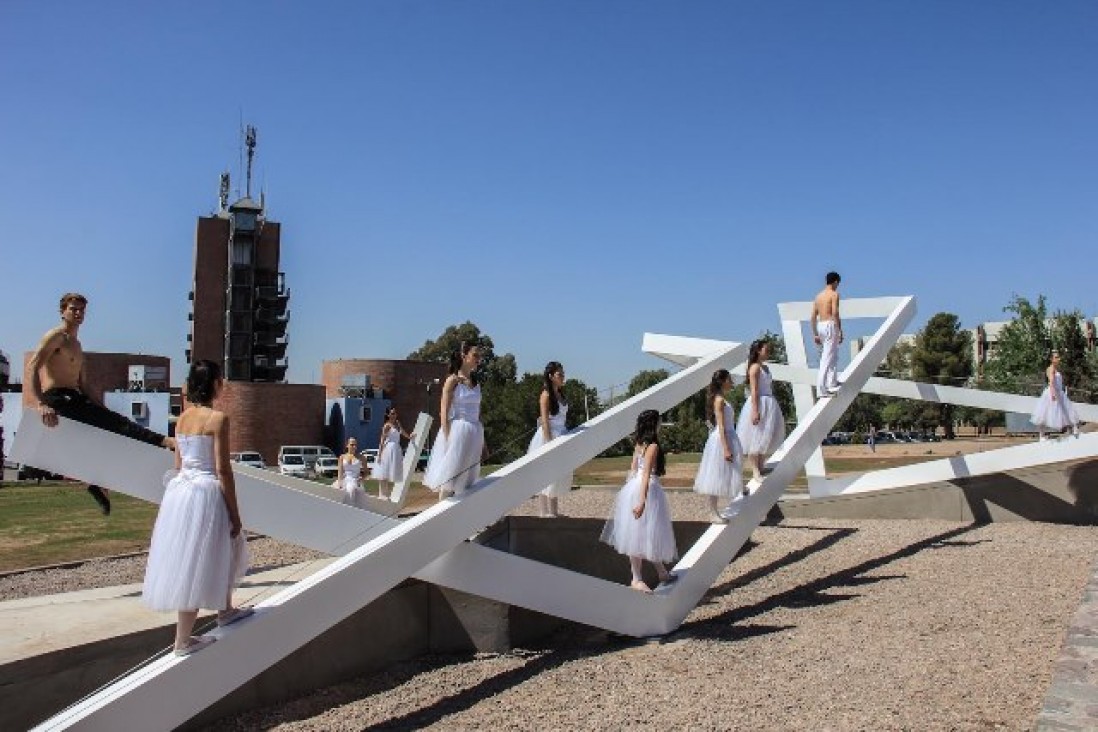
(265, 416)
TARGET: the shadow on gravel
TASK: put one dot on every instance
(815, 593)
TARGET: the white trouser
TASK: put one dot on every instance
(826, 378)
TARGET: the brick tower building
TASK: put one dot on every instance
(240, 317)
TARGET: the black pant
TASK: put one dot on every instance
(75, 405)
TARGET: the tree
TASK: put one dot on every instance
(493, 369)
(1075, 363)
(943, 355)
(1022, 351)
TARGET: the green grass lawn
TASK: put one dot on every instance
(60, 522)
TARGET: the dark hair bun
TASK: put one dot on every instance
(202, 381)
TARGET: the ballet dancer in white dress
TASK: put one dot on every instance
(455, 458)
(1054, 411)
(552, 423)
(197, 552)
(762, 424)
(389, 468)
(349, 475)
(720, 471)
(640, 523)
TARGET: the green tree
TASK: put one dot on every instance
(943, 355)
(1075, 363)
(493, 369)
(1022, 351)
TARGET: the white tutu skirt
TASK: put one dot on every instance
(562, 486)
(1054, 415)
(193, 562)
(454, 464)
(765, 437)
(651, 536)
(390, 465)
(350, 484)
(717, 476)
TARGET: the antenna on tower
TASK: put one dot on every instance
(223, 192)
(249, 141)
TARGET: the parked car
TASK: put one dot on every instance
(423, 458)
(248, 457)
(327, 466)
(309, 453)
(293, 465)
(369, 456)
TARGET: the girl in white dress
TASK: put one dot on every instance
(553, 409)
(454, 464)
(762, 424)
(349, 475)
(1054, 410)
(640, 524)
(389, 468)
(720, 472)
(197, 552)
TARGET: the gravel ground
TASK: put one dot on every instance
(822, 625)
(266, 554)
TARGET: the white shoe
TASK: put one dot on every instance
(717, 519)
(194, 645)
(754, 484)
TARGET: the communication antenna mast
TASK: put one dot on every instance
(249, 141)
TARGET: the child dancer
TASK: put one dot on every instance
(197, 552)
(389, 468)
(762, 425)
(1054, 410)
(551, 424)
(720, 473)
(349, 477)
(454, 464)
(640, 523)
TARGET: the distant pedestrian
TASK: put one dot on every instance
(1054, 410)
(827, 332)
(552, 423)
(720, 472)
(454, 464)
(762, 425)
(872, 439)
(389, 467)
(640, 523)
(197, 552)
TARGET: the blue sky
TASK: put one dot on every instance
(567, 175)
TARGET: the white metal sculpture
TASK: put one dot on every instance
(378, 551)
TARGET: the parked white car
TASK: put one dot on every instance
(293, 465)
(249, 457)
(369, 456)
(326, 466)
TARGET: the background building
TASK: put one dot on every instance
(410, 386)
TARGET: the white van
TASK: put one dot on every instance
(308, 453)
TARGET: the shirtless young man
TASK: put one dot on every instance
(57, 384)
(827, 331)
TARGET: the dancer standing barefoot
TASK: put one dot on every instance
(762, 424)
(389, 468)
(1054, 410)
(197, 553)
(553, 410)
(720, 472)
(349, 476)
(640, 524)
(57, 385)
(827, 331)
(454, 464)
